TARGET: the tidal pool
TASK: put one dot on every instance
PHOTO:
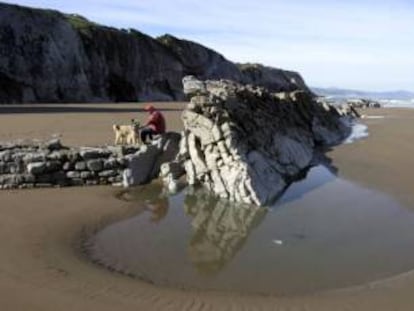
(324, 233)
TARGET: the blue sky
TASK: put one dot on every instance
(362, 44)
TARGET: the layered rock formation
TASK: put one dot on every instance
(274, 79)
(247, 144)
(47, 56)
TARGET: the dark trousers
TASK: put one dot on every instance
(146, 132)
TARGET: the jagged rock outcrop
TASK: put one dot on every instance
(246, 144)
(363, 103)
(274, 79)
(47, 56)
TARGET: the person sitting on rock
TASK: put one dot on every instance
(155, 124)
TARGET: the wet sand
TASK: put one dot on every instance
(384, 161)
(77, 124)
(41, 262)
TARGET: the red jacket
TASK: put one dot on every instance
(156, 122)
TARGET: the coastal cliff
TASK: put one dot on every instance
(48, 56)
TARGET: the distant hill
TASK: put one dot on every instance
(345, 93)
(48, 56)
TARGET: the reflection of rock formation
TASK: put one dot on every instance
(150, 198)
(220, 228)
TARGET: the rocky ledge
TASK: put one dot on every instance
(247, 144)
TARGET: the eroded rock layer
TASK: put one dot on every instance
(245, 143)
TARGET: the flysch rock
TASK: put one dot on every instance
(246, 144)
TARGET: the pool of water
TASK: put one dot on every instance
(324, 233)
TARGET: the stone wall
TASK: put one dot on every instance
(49, 164)
(36, 165)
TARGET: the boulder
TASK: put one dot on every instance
(88, 153)
(37, 168)
(145, 164)
(95, 165)
(247, 144)
(54, 144)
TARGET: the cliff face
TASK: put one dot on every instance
(201, 61)
(47, 56)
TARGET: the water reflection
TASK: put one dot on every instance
(219, 229)
(323, 233)
(151, 198)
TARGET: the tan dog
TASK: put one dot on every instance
(127, 134)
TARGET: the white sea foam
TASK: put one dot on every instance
(359, 131)
(374, 117)
(394, 103)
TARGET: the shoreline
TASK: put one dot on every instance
(42, 266)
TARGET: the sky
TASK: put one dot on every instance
(365, 44)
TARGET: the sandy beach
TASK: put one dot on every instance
(42, 266)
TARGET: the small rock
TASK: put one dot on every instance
(73, 174)
(58, 155)
(193, 86)
(28, 178)
(6, 156)
(67, 166)
(54, 144)
(34, 157)
(115, 179)
(108, 173)
(27, 186)
(44, 179)
(36, 168)
(11, 180)
(91, 182)
(59, 178)
(95, 165)
(53, 166)
(94, 153)
(110, 164)
(80, 166)
(86, 175)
